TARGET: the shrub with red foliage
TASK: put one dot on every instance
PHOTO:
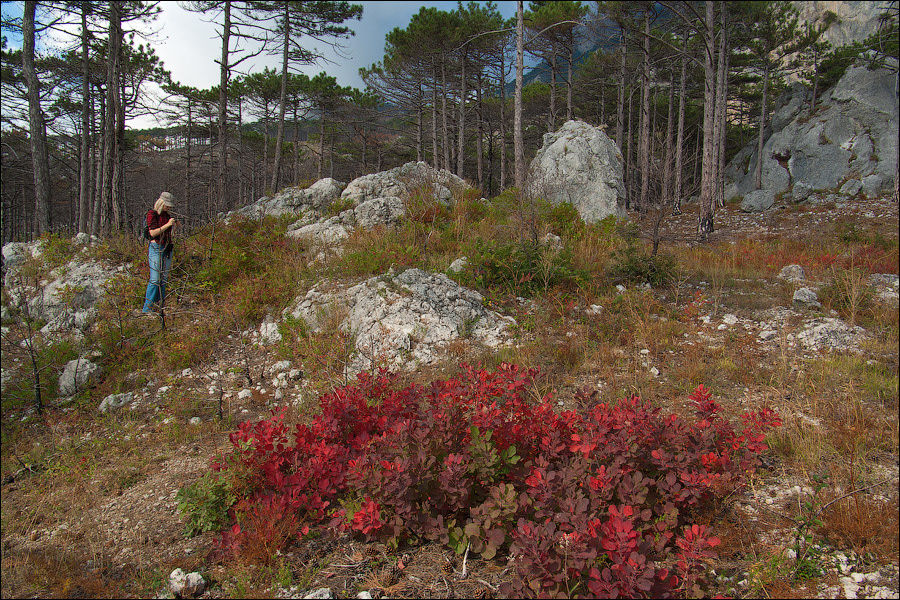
(587, 503)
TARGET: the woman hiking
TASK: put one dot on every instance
(159, 229)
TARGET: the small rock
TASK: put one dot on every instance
(806, 298)
(620, 288)
(186, 586)
(187, 373)
(729, 319)
(852, 187)
(792, 273)
(654, 371)
(319, 594)
(767, 335)
(458, 265)
(244, 394)
(195, 421)
(115, 401)
(281, 365)
(364, 596)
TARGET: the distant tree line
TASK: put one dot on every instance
(679, 86)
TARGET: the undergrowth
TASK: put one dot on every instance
(598, 502)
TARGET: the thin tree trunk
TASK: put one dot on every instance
(420, 149)
(460, 153)
(188, 179)
(109, 130)
(279, 138)
(444, 113)
(296, 147)
(100, 177)
(552, 125)
(118, 181)
(679, 142)
(629, 172)
(434, 131)
(722, 102)
(224, 73)
(569, 84)
(502, 120)
(37, 128)
(620, 109)
(84, 180)
(519, 146)
(644, 144)
(479, 148)
(757, 174)
(320, 165)
(669, 151)
(707, 200)
(331, 155)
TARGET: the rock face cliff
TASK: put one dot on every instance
(856, 20)
(847, 146)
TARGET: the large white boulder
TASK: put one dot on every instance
(580, 164)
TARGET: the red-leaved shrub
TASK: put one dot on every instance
(586, 503)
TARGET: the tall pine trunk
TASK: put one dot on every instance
(679, 141)
(282, 103)
(479, 148)
(434, 130)
(518, 144)
(502, 120)
(224, 72)
(644, 144)
(444, 113)
(757, 174)
(37, 128)
(569, 83)
(707, 172)
(460, 153)
(84, 179)
(620, 109)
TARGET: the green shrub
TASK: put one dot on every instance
(205, 503)
(632, 264)
(523, 269)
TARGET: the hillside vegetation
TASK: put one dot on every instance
(614, 409)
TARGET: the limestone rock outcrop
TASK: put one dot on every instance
(580, 164)
(401, 181)
(847, 146)
(402, 320)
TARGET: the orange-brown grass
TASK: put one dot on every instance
(862, 523)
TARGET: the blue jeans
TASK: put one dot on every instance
(160, 264)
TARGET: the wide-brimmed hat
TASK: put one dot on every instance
(167, 199)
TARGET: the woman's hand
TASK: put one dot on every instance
(170, 224)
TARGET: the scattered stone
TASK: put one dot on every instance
(186, 585)
(579, 164)
(552, 241)
(459, 265)
(729, 319)
(806, 298)
(319, 594)
(268, 331)
(620, 288)
(792, 273)
(654, 371)
(326, 232)
(831, 334)
(244, 394)
(114, 402)
(77, 375)
(887, 286)
(195, 421)
(851, 188)
(758, 200)
(281, 366)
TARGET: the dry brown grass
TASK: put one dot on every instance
(862, 523)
